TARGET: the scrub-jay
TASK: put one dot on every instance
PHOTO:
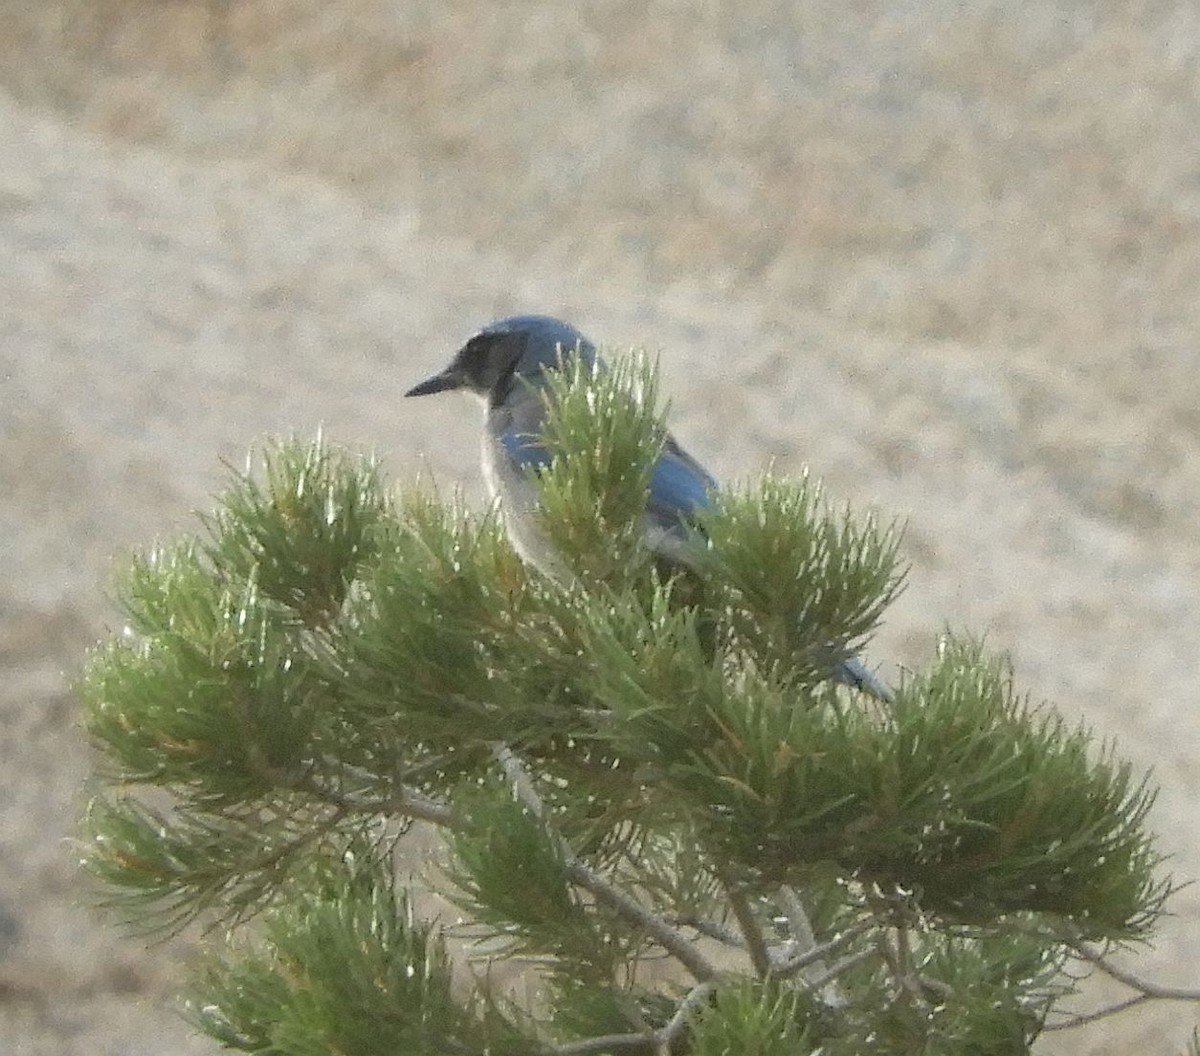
(505, 364)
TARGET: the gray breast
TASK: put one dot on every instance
(512, 488)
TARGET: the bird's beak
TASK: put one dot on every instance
(447, 379)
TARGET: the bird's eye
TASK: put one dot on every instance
(475, 353)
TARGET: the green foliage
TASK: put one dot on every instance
(160, 870)
(513, 878)
(749, 1017)
(214, 683)
(633, 768)
(217, 690)
(303, 531)
(1005, 808)
(987, 994)
(604, 434)
(344, 967)
(800, 589)
(208, 688)
(423, 635)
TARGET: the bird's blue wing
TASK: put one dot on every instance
(524, 450)
(853, 672)
(679, 486)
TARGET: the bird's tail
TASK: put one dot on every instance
(853, 672)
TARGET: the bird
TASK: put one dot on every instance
(506, 364)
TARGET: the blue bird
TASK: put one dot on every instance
(505, 364)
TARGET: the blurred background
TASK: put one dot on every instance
(947, 254)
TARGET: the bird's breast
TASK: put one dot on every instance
(516, 495)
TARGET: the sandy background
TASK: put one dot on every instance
(948, 254)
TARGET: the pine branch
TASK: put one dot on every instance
(403, 803)
(712, 930)
(803, 941)
(1145, 989)
(1134, 982)
(680, 1021)
(751, 931)
(839, 968)
(323, 665)
(817, 954)
(673, 941)
(604, 1043)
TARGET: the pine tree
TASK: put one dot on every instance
(650, 794)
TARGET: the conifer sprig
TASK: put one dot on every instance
(646, 782)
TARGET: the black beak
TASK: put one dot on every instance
(447, 379)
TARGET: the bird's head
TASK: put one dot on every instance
(519, 347)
